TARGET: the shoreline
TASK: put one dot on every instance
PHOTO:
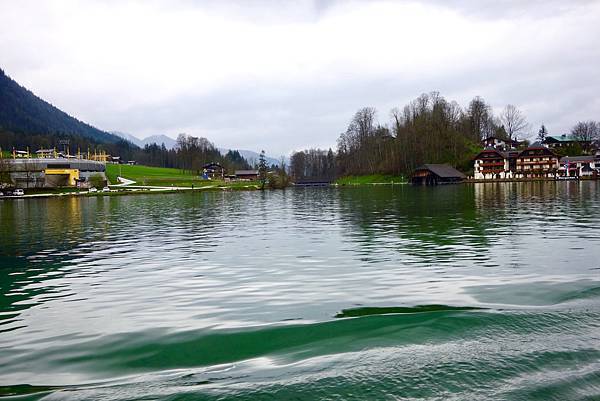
(133, 191)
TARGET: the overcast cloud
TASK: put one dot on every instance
(261, 74)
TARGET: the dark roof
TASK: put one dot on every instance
(587, 168)
(575, 159)
(510, 154)
(246, 172)
(442, 170)
(490, 150)
(212, 165)
(536, 145)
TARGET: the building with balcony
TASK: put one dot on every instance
(536, 161)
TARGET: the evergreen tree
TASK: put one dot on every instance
(262, 169)
(542, 133)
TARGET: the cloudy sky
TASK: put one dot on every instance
(285, 76)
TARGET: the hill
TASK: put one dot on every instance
(23, 112)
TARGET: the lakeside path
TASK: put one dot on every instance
(132, 190)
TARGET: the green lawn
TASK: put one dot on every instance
(370, 179)
(164, 177)
(144, 175)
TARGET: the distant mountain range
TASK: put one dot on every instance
(251, 157)
(170, 143)
(23, 112)
(157, 139)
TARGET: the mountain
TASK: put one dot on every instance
(169, 143)
(23, 112)
(157, 139)
(252, 157)
(128, 137)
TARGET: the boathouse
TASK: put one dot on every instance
(434, 174)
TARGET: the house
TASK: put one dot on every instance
(564, 140)
(249, 175)
(500, 143)
(433, 174)
(537, 161)
(492, 164)
(578, 166)
(213, 171)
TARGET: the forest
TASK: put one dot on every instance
(430, 129)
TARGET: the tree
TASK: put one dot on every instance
(96, 180)
(513, 120)
(5, 169)
(586, 131)
(542, 133)
(262, 169)
(481, 119)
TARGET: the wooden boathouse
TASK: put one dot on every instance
(434, 174)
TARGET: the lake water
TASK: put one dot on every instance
(470, 292)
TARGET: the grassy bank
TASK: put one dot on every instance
(157, 176)
(166, 177)
(373, 179)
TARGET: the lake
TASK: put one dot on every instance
(467, 292)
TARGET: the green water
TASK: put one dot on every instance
(472, 292)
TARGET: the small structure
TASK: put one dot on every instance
(434, 174)
(537, 161)
(46, 153)
(246, 175)
(578, 166)
(213, 171)
(20, 153)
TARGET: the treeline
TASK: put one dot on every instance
(430, 129)
(62, 142)
(313, 164)
(190, 154)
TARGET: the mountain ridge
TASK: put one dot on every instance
(23, 112)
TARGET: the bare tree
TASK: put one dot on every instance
(586, 131)
(513, 120)
(481, 119)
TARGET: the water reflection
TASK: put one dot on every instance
(86, 277)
